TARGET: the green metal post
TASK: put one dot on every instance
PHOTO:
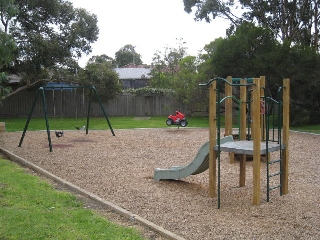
(88, 113)
(102, 108)
(249, 114)
(46, 117)
(30, 114)
(29, 118)
(218, 141)
(280, 111)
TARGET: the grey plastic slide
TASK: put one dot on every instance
(198, 165)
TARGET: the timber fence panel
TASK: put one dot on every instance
(74, 103)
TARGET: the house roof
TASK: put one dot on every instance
(133, 73)
(13, 78)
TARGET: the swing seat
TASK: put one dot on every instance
(59, 134)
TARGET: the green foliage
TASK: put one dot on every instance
(159, 78)
(7, 49)
(252, 52)
(293, 21)
(101, 59)
(245, 53)
(211, 9)
(127, 55)
(104, 78)
(302, 65)
(7, 53)
(186, 86)
(181, 73)
(166, 65)
(30, 208)
(4, 89)
(49, 35)
(147, 91)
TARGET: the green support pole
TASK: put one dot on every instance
(45, 114)
(29, 118)
(88, 113)
(102, 108)
(46, 117)
(218, 141)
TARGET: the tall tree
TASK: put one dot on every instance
(127, 55)
(50, 35)
(253, 51)
(296, 21)
(212, 9)
(166, 64)
(246, 53)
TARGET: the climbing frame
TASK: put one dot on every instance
(255, 145)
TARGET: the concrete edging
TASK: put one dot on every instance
(123, 212)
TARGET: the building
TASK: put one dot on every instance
(134, 77)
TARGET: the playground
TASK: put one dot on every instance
(120, 169)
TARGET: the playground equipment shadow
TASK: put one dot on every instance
(120, 169)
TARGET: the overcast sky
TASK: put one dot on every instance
(149, 25)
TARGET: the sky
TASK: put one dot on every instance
(149, 25)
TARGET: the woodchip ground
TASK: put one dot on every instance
(120, 169)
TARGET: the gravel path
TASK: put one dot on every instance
(120, 169)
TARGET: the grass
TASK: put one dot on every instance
(307, 128)
(96, 123)
(30, 208)
(100, 123)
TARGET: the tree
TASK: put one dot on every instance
(127, 55)
(186, 88)
(205, 58)
(166, 64)
(212, 9)
(295, 21)
(246, 53)
(103, 77)
(253, 51)
(101, 59)
(50, 35)
(302, 66)
(7, 53)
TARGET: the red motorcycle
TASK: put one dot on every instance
(178, 119)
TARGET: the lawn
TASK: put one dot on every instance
(96, 123)
(100, 123)
(30, 208)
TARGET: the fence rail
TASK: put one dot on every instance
(74, 103)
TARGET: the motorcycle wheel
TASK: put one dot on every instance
(169, 122)
(183, 123)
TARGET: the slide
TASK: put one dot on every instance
(198, 165)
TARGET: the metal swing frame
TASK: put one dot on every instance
(41, 91)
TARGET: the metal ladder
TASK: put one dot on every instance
(271, 175)
(279, 141)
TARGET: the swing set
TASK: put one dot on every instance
(41, 91)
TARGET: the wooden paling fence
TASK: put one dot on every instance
(74, 103)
